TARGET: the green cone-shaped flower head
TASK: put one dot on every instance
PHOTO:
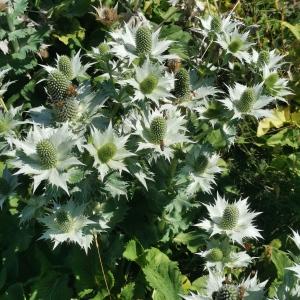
(263, 58)
(271, 80)
(107, 152)
(158, 128)
(148, 85)
(201, 164)
(104, 48)
(216, 24)
(68, 111)
(214, 255)
(230, 217)
(227, 292)
(63, 220)
(235, 45)
(182, 83)
(246, 101)
(65, 66)
(143, 40)
(57, 85)
(47, 153)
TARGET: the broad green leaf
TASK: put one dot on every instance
(193, 240)
(162, 274)
(133, 250)
(127, 292)
(281, 261)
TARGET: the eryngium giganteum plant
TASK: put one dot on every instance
(130, 144)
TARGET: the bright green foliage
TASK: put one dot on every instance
(143, 40)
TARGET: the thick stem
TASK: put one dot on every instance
(2, 104)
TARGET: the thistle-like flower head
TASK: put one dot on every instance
(67, 223)
(151, 83)
(200, 170)
(245, 100)
(108, 150)
(236, 44)
(231, 219)
(160, 130)
(134, 40)
(46, 154)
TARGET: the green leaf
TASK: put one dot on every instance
(193, 240)
(14, 292)
(281, 261)
(133, 250)
(127, 292)
(162, 274)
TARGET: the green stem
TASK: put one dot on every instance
(2, 104)
(11, 26)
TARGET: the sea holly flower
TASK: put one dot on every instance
(267, 58)
(276, 86)
(132, 41)
(245, 100)
(216, 24)
(46, 154)
(199, 171)
(220, 288)
(67, 223)
(235, 44)
(108, 150)
(220, 254)
(150, 83)
(234, 220)
(160, 130)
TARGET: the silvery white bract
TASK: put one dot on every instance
(236, 44)
(234, 220)
(10, 120)
(296, 267)
(161, 141)
(223, 25)
(46, 154)
(267, 58)
(124, 44)
(200, 170)
(151, 82)
(67, 223)
(108, 151)
(245, 100)
(4, 86)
